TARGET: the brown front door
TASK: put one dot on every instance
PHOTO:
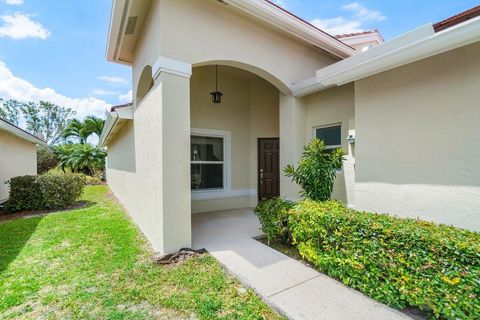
(268, 168)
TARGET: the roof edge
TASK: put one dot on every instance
(419, 44)
(262, 9)
(20, 133)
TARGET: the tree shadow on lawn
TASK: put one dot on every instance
(16, 229)
(13, 237)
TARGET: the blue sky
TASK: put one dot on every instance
(55, 49)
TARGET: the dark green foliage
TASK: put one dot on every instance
(316, 170)
(46, 159)
(47, 191)
(80, 131)
(400, 262)
(81, 158)
(273, 216)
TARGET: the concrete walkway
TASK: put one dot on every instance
(294, 289)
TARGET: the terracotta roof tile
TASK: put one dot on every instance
(457, 19)
(302, 20)
(345, 35)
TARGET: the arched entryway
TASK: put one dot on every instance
(227, 164)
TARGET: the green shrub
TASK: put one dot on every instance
(316, 170)
(400, 262)
(46, 159)
(46, 191)
(273, 216)
(92, 181)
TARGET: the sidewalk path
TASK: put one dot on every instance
(294, 289)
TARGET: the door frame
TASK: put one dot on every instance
(258, 163)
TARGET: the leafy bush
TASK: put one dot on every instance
(92, 181)
(273, 216)
(46, 159)
(316, 170)
(46, 191)
(81, 158)
(400, 262)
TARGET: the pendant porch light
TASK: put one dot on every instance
(216, 95)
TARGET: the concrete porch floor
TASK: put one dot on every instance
(294, 289)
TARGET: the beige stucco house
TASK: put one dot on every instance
(18, 155)
(406, 112)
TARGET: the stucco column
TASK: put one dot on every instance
(292, 140)
(174, 79)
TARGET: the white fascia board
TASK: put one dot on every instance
(306, 87)
(363, 37)
(110, 122)
(20, 133)
(287, 22)
(113, 119)
(125, 113)
(449, 39)
(118, 18)
(387, 47)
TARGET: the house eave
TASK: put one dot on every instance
(413, 46)
(20, 133)
(289, 23)
(114, 120)
(260, 9)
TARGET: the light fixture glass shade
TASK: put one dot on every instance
(216, 97)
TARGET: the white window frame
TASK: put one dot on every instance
(314, 133)
(226, 136)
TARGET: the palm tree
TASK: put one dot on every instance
(81, 130)
(75, 129)
(93, 125)
(83, 158)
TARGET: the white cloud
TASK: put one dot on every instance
(280, 3)
(12, 87)
(113, 80)
(14, 2)
(20, 26)
(127, 97)
(101, 92)
(363, 13)
(355, 23)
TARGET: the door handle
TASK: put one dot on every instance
(261, 178)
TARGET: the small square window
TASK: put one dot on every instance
(331, 136)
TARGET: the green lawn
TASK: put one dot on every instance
(93, 263)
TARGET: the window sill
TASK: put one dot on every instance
(222, 194)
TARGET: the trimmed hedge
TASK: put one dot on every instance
(400, 262)
(273, 216)
(47, 191)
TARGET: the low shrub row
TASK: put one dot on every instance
(47, 191)
(401, 262)
(273, 216)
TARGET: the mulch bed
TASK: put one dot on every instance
(178, 257)
(6, 216)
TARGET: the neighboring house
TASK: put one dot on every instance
(406, 113)
(362, 41)
(18, 155)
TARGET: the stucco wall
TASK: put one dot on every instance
(418, 139)
(249, 110)
(330, 107)
(17, 158)
(153, 184)
(204, 31)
